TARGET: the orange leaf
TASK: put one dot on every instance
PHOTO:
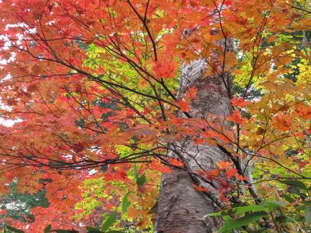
(200, 189)
(176, 162)
(231, 172)
(192, 92)
(236, 117)
(184, 106)
(223, 164)
(164, 69)
(239, 102)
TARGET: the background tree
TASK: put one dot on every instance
(18, 206)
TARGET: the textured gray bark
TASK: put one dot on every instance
(180, 207)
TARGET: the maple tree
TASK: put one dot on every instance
(212, 94)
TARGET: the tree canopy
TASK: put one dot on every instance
(104, 92)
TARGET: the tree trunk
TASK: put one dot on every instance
(180, 207)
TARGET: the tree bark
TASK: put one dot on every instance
(180, 207)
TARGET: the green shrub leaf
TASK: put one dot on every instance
(295, 183)
(247, 219)
(109, 222)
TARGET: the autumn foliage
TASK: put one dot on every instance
(94, 90)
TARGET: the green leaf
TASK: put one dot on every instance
(240, 210)
(308, 214)
(260, 230)
(14, 229)
(63, 231)
(247, 219)
(290, 219)
(250, 208)
(109, 222)
(125, 203)
(221, 213)
(92, 230)
(82, 45)
(306, 202)
(295, 183)
(288, 198)
(104, 167)
(48, 229)
(141, 180)
(135, 172)
(272, 204)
